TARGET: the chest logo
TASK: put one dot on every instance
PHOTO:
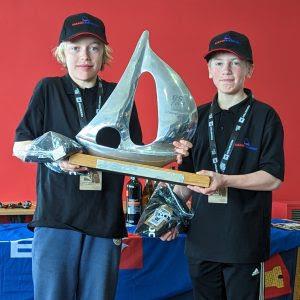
(247, 145)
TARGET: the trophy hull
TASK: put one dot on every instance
(157, 155)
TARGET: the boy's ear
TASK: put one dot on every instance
(250, 71)
(209, 71)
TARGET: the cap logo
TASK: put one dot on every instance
(86, 21)
(227, 39)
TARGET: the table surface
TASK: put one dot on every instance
(146, 269)
(17, 211)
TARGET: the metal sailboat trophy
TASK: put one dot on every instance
(177, 119)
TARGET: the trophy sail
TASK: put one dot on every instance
(177, 112)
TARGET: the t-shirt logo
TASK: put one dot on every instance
(247, 145)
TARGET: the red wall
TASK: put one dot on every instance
(179, 34)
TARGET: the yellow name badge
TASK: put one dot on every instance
(220, 196)
(92, 181)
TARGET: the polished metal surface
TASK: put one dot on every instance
(140, 171)
(177, 112)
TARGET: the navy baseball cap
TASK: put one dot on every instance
(230, 41)
(82, 24)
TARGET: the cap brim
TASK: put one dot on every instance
(75, 36)
(212, 52)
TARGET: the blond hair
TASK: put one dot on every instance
(59, 54)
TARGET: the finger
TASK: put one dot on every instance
(210, 192)
(81, 169)
(64, 166)
(63, 163)
(161, 183)
(180, 145)
(179, 159)
(175, 234)
(193, 187)
(197, 189)
(185, 144)
(67, 165)
(205, 172)
(166, 236)
(204, 191)
(181, 151)
(73, 168)
(170, 238)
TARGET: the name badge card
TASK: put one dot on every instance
(92, 181)
(220, 196)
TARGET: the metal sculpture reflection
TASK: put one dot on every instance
(177, 113)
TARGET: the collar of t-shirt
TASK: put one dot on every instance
(89, 97)
(70, 90)
(235, 109)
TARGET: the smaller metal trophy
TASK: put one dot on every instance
(177, 119)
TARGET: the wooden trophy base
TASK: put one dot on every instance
(139, 170)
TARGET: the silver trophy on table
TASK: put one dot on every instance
(177, 119)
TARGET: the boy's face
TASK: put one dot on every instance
(84, 59)
(229, 72)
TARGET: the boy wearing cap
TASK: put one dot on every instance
(77, 229)
(77, 226)
(239, 144)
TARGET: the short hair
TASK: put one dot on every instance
(59, 54)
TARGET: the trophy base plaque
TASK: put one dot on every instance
(140, 170)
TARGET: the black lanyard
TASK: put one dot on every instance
(234, 135)
(79, 102)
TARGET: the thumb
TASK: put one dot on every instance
(204, 172)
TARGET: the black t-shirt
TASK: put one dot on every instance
(60, 203)
(239, 231)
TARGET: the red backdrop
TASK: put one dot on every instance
(179, 34)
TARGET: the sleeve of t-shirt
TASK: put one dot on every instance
(31, 126)
(272, 154)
